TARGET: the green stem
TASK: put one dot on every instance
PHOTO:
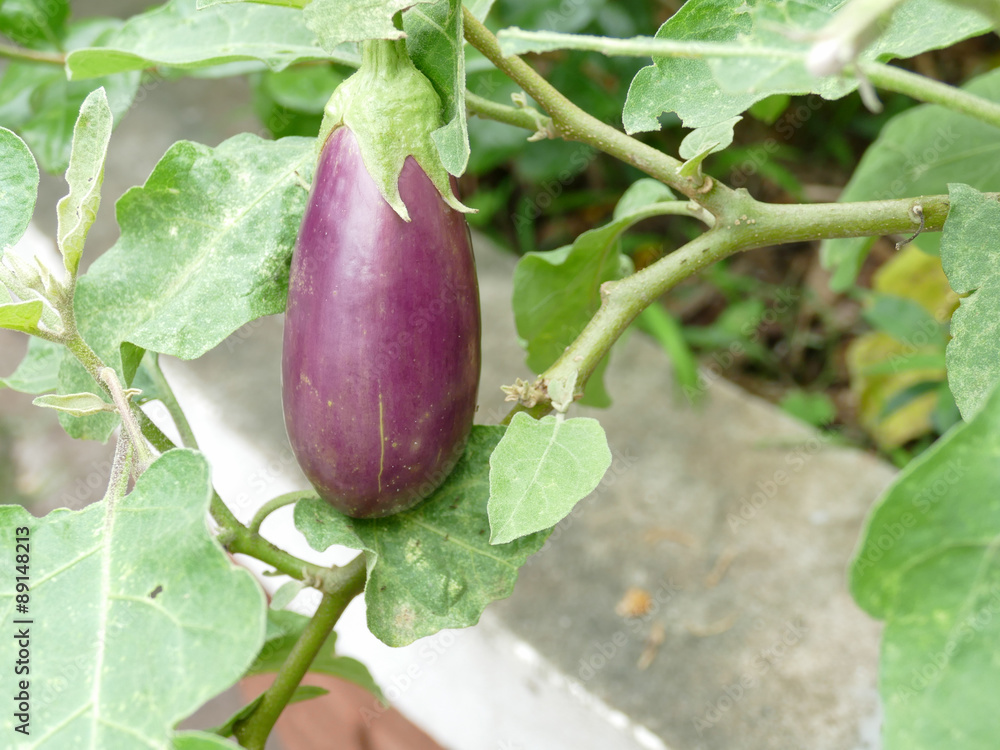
(521, 117)
(572, 123)
(924, 89)
(30, 55)
(130, 425)
(253, 731)
(745, 224)
(281, 501)
(169, 400)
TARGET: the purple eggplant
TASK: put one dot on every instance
(381, 356)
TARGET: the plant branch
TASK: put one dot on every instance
(745, 224)
(924, 89)
(281, 501)
(13, 52)
(130, 425)
(253, 731)
(572, 123)
(521, 117)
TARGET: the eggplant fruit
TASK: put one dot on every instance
(381, 358)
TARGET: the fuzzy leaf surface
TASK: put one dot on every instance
(38, 102)
(433, 566)
(76, 212)
(18, 188)
(541, 470)
(970, 260)
(435, 44)
(179, 35)
(205, 246)
(145, 617)
(705, 91)
(918, 153)
(928, 565)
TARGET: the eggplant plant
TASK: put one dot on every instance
(351, 225)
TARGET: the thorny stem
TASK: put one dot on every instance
(253, 731)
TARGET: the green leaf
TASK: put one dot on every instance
(969, 257)
(21, 316)
(34, 22)
(179, 35)
(903, 318)
(927, 564)
(701, 142)
(204, 740)
(918, 153)
(18, 188)
(705, 91)
(140, 602)
(37, 101)
(541, 470)
(283, 631)
(337, 21)
(74, 404)
(430, 567)
(556, 292)
(77, 211)
(435, 44)
(39, 370)
(230, 215)
(816, 409)
(286, 3)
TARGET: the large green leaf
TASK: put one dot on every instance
(540, 470)
(435, 44)
(337, 21)
(431, 567)
(918, 153)
(39, 370)
(705, 91)
(205, 246)
(970, 260)
(76, 212)
(38, 102)
(21, 316)
(18, 188)
(283, 631)
(927, 564)
(34, 22)
(137, 615)
(181, 36)
(556, 292)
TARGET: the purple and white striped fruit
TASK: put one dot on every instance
(381, 346)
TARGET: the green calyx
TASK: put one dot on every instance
(392, 109)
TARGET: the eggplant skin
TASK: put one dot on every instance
(381, 351)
